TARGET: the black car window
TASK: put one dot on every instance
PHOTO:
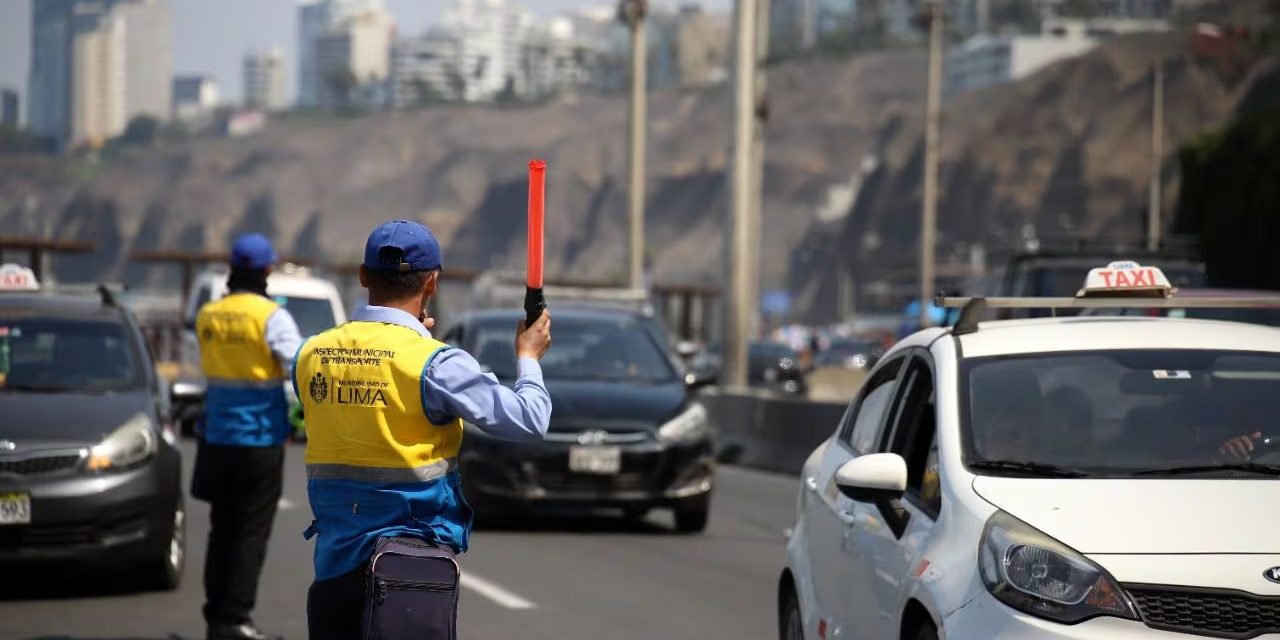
(584, 349)
(55, 355)
(913, 436)
(865, 415)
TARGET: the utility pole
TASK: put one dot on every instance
(632, 13)
(929, 205)
(745, 178)
(1157, 154)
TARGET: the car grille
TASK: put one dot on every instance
(46, 536)
(1221, 614)
(40, 465)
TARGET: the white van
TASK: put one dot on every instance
(313, 302)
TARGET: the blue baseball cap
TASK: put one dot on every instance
(252, 251)
(402, 245)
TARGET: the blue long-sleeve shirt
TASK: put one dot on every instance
(458, 387)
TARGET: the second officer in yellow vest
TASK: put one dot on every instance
(385, 404)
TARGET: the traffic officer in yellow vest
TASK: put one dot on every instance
(385, 404)
(247, 342)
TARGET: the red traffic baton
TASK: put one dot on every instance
(534, 302)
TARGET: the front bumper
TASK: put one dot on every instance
(118, 516)
(987, 618)
(652, 474)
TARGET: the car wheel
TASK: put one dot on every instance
(692, 513)
(925, 632)
(634, 514)
(165, 573)
(790, 624)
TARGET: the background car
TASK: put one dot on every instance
(627, 432)
(849, 353)
(1267, 317)
(89, 471)
(775, 366)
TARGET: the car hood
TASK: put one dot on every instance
(53, 420)
(613, 406)
(1144, 516)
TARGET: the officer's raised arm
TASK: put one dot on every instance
(460, 387)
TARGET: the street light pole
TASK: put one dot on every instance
(929, 206)
(741, 301)
(1157, 153)
(632, 13)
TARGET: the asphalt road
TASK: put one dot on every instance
(555, 578)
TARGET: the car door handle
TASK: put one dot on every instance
(847, 518)
(811, 483)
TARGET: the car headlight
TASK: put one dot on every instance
(133, 443)
(1033, 573)
(691, 425)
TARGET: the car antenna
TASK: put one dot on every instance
(108, 297)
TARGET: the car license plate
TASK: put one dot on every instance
(15, 508)
(598, 460)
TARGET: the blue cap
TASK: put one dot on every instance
(252, 251)
(402, 245)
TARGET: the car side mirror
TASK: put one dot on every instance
(875, 477)
(687, 349)
(186, 390)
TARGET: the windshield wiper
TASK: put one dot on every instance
(32, 388)
(1028, 468)
(1248, 467)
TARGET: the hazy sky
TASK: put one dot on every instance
(210, 36)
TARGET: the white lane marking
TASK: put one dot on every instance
(499, 595)
(286, 504)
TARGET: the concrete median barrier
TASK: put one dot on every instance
(769, 432)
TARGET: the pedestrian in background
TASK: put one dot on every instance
(385, 404)
(247, 341)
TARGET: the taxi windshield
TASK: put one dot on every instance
(584, 349)
(65, 355)
(1121, 412)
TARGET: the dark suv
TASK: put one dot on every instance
(626, 430)
(88, 467)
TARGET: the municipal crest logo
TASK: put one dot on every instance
(319, 388)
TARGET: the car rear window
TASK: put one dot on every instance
(603, 349)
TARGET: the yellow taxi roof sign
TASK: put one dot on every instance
(1126, 278)
(17, 278)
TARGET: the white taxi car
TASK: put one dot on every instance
(1073, 477)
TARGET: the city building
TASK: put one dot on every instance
(9, 108)
(702, 47)
(148, 58)
(423, 70)
(492, 36)
(95, 64)
(317, 19)
(194, 97)
(354, 61)
(263, 75)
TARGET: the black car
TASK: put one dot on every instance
(776, 366)
(626, 430)
(89, 472)
(849, 353)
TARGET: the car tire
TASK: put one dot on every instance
(692, 513)
(164, 573)
(790, 623)
(925, 632)
(634, 514)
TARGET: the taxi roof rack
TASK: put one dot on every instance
(972, 309)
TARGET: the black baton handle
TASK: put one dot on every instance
(534, 304)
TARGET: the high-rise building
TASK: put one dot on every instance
(148, 56)
(702, 47)
(354, 61)
(95, 64)
(194, 97)
(98, 74)
(554, 59)
(423, 70)
(9, 108)
(264, 76)
(316, 19)
(492, 37)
